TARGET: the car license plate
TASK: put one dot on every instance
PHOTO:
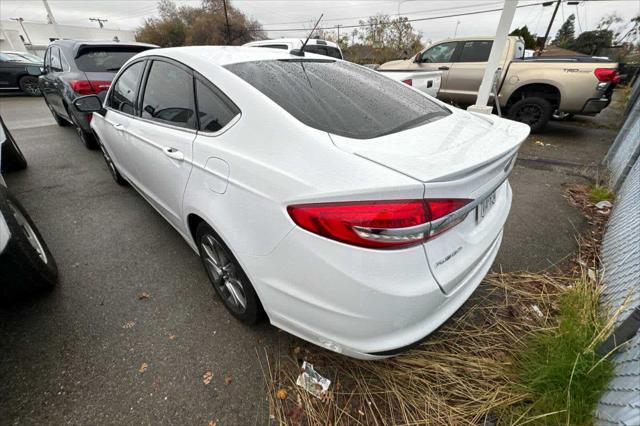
(485, 205)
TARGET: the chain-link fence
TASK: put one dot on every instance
(620, 403)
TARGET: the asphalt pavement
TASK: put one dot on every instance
(134, 323)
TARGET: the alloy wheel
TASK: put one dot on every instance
(29, 232)
(529, 114)
(31, 87)
(222, 272)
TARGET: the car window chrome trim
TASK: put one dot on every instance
(434, 226)
(227, 126)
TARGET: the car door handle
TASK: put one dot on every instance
(173, 153)
(119, 127)
(443, 68)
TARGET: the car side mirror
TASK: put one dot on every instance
(89, 103)
(35, 70)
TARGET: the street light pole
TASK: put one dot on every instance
(19, 20)
(546, 34)
(499, 44)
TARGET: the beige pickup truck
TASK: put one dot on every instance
(530, 90)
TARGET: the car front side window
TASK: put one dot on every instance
(439, 53)
(168, 96)
(123, 96)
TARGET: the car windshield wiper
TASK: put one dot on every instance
(415, 122)
(113, 69)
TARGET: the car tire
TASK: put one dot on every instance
(113, 170)
(26, 263)
(29, 85)
(88, 139)
(59, 120)
(12, 158)
(227, 277)
(533, 111)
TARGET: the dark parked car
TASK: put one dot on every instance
(14, 74)
(26, 264)
(75, 68)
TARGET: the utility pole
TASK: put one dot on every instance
(546, 34)
(456, 31)
(50, 17)
(19, 20)
(226, 19)
(99, 21)
(338, 34)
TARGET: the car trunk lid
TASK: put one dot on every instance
(462, 156)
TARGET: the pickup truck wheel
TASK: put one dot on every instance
(29, 85)
(26, 263)
(533, 111)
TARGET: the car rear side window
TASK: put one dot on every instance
(56, 65)
(323, 50)
(123, 95)
(274, 46)
(168, 96)
(105, 58)
(339, 97)
(215, 110)
(476, 51)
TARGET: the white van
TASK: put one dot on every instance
(318, 46)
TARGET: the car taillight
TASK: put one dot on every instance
(408, 81)
(378, 224)
(89, 87)
(607, 74)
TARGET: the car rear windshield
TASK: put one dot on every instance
(105, 58)
(339, 97)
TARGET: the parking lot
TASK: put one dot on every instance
(132, 292)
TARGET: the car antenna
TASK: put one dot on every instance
(300, 52)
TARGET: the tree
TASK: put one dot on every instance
(529, 39)
(382, 32)
(590, 42)
(566, 34)
(193, 25)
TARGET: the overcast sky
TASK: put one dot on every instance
(276, 15)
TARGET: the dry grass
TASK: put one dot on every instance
(462, 374)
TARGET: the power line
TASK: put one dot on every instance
(430, 18)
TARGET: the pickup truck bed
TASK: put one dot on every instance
(426, 81)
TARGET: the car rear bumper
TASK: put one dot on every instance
(367, 304)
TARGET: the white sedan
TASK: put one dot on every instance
(355, 212)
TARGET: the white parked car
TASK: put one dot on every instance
(314, 45)
(357, 211)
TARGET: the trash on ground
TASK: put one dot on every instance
(144, 296)
(207, 377)
(312, 381)
(143, 368)
(281, 394)
(537, 310)
(604, 204)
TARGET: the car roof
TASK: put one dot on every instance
(226, 55)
